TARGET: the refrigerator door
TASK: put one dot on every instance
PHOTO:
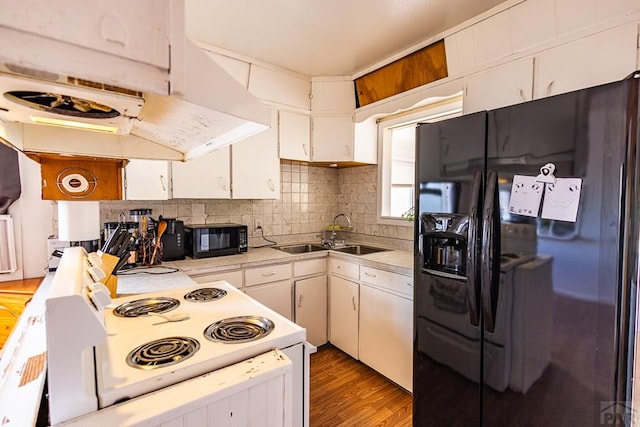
(447, 335)
(560, 303)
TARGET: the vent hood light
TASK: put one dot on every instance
(73, 125)
(237, 134)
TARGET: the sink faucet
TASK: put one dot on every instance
(332, 238)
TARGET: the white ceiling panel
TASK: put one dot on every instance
(324, 37)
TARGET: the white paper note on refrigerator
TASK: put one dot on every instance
(561, 200)
(526, 194)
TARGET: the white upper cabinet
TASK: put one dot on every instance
(332, 138)
(279, 87)
(335, 137)
(139, 31)
(255, 165)
(206, 177)
(506, 84)
(116, 42)
(594, 60)
(332, 95)
(295, 136)
(339, 139)
(147, 180)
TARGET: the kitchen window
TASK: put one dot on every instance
(396, 139)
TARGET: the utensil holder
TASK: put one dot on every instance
(110, 280)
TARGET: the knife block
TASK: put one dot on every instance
(109, 262)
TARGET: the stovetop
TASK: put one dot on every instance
(119, 379)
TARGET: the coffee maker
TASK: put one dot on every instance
(173, 240)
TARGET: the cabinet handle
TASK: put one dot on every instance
(353, 302)
(271, 273)
(300, 300)
(547, 91)
(366, 273)
(163, 182)
(347, 149)
(271, 186)
(409, 284)
(222, 183)
(304, 148)
(522, 95)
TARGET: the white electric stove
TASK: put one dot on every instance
(105, 353)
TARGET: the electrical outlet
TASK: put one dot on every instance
(257, 224)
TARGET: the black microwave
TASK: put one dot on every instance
(209, 240)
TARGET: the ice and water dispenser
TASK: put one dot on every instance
(444, 243)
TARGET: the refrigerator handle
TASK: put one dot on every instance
(490, 253)
(473, 251)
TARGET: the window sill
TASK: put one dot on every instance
(393, 221)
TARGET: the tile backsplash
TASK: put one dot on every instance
(310, 198)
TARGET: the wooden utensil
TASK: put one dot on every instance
(162, 227)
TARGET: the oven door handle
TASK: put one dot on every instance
(490, 253)
(473, 249)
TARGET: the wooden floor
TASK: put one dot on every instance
(346, 392)
(14, 295)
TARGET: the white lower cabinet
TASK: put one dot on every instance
(311, 307)
(276, 296)
(386, 330)
(343, 314)
(272, 286)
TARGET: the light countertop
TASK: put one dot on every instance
(393, 259)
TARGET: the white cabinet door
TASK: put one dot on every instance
(332, 95)
(139, 31)
(206, 177)
(386, 334)
(277, 296)
(337, 138)
(506, 84)
(594, 60)
(311, 307)
(343, 315)
(282, 88)
(255, 166)
(332, 138)
(147, 180)
(295, 136)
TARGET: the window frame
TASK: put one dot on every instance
(436, 110)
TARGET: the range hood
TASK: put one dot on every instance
(176, 105)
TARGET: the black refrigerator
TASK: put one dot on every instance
(521, 319)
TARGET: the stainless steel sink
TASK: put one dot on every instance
(301, 248)
(359, 249)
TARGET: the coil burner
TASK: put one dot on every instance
(239, 329)
(205, 295)
(162, 352)
(141, 307)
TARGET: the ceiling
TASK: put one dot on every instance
(324, 37)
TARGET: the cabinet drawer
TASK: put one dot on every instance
(233, 277)
(344, 268)
(309, 267)
(387, 280)
(270, 273)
